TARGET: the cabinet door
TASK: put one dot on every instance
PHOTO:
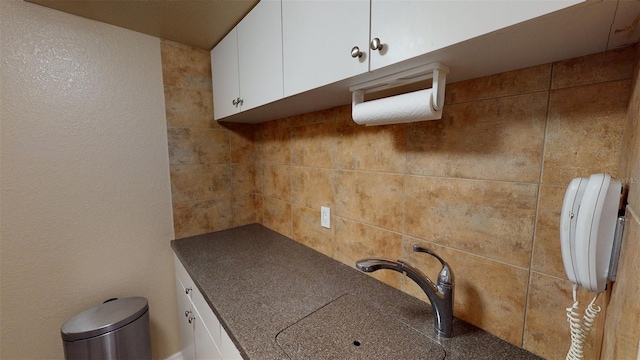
(205, 345)
(260, 55)
(206, 314)
(411, 28)
(185, 310)
(224, 73)
(317, 38)
(227, 347)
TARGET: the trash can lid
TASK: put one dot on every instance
(104, 318)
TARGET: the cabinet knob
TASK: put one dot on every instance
(191, 318)
(355, 52)
(187, 313)
(188, 290)
(376, 44)
(237, 102)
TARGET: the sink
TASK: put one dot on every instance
(350, 328)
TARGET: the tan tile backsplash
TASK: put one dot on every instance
(197, 182)
(601, 67)
(212, 167)
(622, 333)
(546, 330)
(488, 293)
(201, 216)
(185, 66)
(496, 139)
(306, 230)
(355, 240)
(488, 218)
(371, 198)
(312, 187)
(276, 215)
(273, 139)
(584, 130)
(547, 256)
(482, 186)
(276, 182)
(380, 149)
(243, 178)
(516, 82)
(198, 146)
(189, 108)
(313, 145)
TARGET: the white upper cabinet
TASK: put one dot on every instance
(247, 63)
(319, 35)
(288, 57)
(260, 55)
(224, 73)
(317, 39)
(408, 29)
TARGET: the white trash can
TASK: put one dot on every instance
(117, 329)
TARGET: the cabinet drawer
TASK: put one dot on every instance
(182, 274)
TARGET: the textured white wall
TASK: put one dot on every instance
(85, 191)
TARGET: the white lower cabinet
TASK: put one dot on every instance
(201, 335)
(187, 328)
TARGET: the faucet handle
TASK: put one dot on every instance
(446, 275)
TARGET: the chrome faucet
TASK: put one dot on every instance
(440, 295)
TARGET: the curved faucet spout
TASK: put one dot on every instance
(440, 295)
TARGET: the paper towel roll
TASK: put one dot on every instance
(404, 108)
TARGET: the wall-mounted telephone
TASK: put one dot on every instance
(587, 227)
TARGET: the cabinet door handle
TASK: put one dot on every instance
(191, 318)
(237, 102)
(188, 290)
(376, 44)
(355, 52)
(187, 313)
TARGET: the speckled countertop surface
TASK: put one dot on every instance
(270, 292)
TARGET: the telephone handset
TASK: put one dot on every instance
(587, 226)
(568, 216)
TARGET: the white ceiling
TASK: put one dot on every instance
(199, 23)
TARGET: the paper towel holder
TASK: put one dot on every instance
(435, 70)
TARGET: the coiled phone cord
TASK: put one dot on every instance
(580, 328)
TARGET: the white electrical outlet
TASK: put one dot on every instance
(325, 217)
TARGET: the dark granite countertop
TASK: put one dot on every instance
(270, 292)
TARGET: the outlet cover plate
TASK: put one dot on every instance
(325, 217)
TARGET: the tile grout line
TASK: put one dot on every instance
(537, 212)
(289, 141)
(404, 196)
(333, 141)
(497, 97)
(260, 170)
(471, 254)
(408, 174)
(420, 175)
